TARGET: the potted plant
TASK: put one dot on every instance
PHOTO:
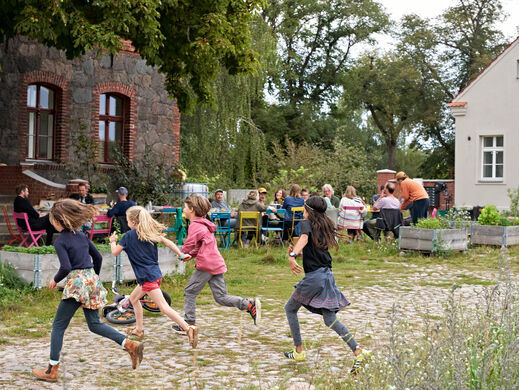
(494, 229)
(432, 235)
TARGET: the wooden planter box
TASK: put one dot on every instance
(40, 269)
(432, 240)
(494, 235)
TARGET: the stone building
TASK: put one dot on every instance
(45, 99)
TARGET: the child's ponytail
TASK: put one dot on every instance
(147, 228)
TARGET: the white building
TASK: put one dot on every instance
(487, 133)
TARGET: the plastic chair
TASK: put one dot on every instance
(250, 215)
(280, 225)
(295, 220)
(97, 220)
(223, 229)
(33, 236)
(14, 237)
(333, 215)
(358, 230)
(166, 213)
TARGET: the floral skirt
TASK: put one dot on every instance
(85, 287)
(317, 291)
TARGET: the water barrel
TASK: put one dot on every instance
(195, 188)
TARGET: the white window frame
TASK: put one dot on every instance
(493, 149)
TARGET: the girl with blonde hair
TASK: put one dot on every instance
(80, 263)
(352, 211)
(140, 244)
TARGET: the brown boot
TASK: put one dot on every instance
(135, 349)
(49, 374)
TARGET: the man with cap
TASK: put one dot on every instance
(262, 194)
(414, 193)
(119, 209)
(222, 206)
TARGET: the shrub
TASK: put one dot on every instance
(11, 285)
(489, 216)
(436, 223)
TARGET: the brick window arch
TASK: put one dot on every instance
(43, 116)
(113, 119)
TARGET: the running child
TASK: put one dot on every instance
(210, 265)
(140, 244)
(80, 264)
(317, 291)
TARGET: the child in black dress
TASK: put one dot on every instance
(80, 263)
(317, 291)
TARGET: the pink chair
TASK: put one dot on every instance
(100, 219)
(434, 212)
(27, 235)
(14, 236)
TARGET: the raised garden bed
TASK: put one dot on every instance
(494, 235)
(39, 269)
(432, 240)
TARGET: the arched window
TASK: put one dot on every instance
(41, 121)
(111, 125)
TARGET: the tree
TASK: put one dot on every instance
(385, 86)
(188, 40)
(315, 42)
(448, 52)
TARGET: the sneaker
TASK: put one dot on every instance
(298, 357)
(360, 361)
(254, 310)
(178, 329)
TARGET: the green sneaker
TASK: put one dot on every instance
(298, 357)
(360, 361)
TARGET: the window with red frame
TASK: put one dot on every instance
(111, 125)
(41, 121)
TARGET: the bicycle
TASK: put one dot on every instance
(121, 311)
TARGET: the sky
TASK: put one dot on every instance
(432, 8)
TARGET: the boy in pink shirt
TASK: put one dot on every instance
(210, 265)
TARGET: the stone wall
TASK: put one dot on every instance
(152, 116)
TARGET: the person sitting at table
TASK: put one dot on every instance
(82, 195)
(374, 214)
(305, 194)
(220, 205)
(250, 203)
(331, 200)
(292, 200)
(387, 200)
(350, 220)
(262, 195)
(119, 209)
(37, 221)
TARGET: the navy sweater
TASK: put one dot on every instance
(76, 251)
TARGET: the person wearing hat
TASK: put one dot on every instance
(119, 209)
(262, 194)
(414, 193)
(220, 205)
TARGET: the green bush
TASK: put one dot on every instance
(11, 285)
(49, 249)
(436, 223)
(489, 216)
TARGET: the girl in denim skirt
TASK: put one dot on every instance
(80, 264)
(317, 291)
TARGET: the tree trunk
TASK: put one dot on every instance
(391, 154)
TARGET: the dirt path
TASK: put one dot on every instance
(233, 353)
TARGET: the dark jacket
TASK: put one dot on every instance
(250, 205)
(88, 198)
(22, 205)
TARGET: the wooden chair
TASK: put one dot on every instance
(32, 237)
(14, 236)
(249, 215)
(295, 221)
(280, 225)
(223, 229)
(98, 220)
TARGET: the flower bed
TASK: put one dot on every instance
(432, 240)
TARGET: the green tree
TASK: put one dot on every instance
(448, 51)
(189, 41)
(385, 86)
(315, 42)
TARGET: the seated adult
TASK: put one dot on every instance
(36, 220)
(331, 200)
(387, 200)
(374, 214)
(250, 203)
(262, 193)
(82, 195)
(413, 193)
(220, 205)
(293, 199)
(119, 209)
(350, 220)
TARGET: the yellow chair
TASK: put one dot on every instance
(253, 223)
(294, 210)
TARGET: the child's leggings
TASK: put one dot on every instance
(66, 310)
(217, 283)
(330, 320)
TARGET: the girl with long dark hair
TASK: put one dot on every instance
(317, 291)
